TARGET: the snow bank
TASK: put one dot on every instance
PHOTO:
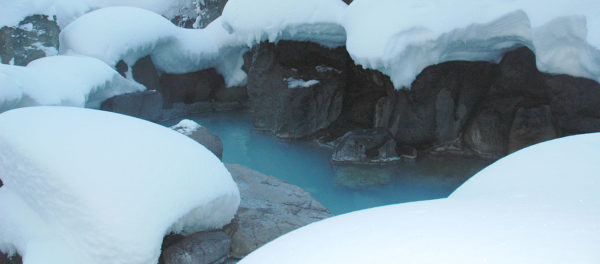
(87, 186)
(401, 38)
(13, 11)
(61, 80)
(129, 33)
(318, 21)
(538, 205)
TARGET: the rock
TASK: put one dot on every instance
(367, 146)
(5, 259)
(201, 135)
(191, 87)
(35, 37)
(363, 89)
(230, 94)
(198, 248)
(295, 88)
(269, 209)
(531, 126)
(359, 178)
(209, 11)
(574, 103)
(144, 72)
(487, 134)
(179, 110)
(145, 105)
(438, 106)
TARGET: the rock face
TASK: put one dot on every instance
(206, 11)
(35, 37)
(198, 248)
(368, 146)
(201, 135)
(4, 259)
(145, 105)
(295, 88)
(269, 209)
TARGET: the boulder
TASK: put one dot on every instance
(368, 146)
(574, 104)
(295, 88)
(269, 209)
(201, 135)
(191, 87)
(531, 126)
(143, 72)
(5, 259)
(35, 37)
(198, 248)
(145, 105)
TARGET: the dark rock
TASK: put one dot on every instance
(230, 94)
(145, 105)
(487, 134)
(201, 135)
(363, 89)
(198, 248)
(191, 87)
(439, 104)
(367, 146)
(144, 72)
(5, 259)
(269, 209)
(280, 107)
(531, 126)
(575, 104)
(35, 37)
(179, 110)
(209, 11)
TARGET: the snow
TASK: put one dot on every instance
(537, 205)
(13, 11)
(61, 80)
(318, 21)
(299, 83)
(88, 186)
(129, 33)
(401, 38)
(186, 127)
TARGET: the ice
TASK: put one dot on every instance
(61, 80)
(537, 205)
(88, 186)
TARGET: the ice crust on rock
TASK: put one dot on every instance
(88, 186)
(61, 80)
(521, 209)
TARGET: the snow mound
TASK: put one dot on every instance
(128, 33)
(88, 186)
(61, 80)
(537, 205)
(401, 38)
(318, 21)
(186, 127)
(66, 11)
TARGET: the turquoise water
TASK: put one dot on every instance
(341, 189)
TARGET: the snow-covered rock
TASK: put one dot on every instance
(34, 37)
(61, 80)
(537, 205)
(88, 186)
(201, 135)
(129, 34)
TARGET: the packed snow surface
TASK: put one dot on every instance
(88, 186)
(128, 33)
(538, 205)
(61, 80)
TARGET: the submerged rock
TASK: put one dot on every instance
(145, 105)
(368, 146)
(201, 135)
(269, 209)
(354, 177)
(198, 248)
(35, 37)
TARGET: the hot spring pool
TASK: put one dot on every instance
(341, 189)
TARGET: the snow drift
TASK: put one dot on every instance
(88, 186)
(537, 205)
(61, 80)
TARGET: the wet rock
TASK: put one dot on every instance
(531, 126)
(201, 135)
(359, 178)
(363, 89)
(574, 104)
(145, 105)
(35, 37)
(198, 248)
(295, 88)
(191, 87)
(269, 209)
(367, 146)
(487, 134)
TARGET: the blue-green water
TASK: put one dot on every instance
(341, 189)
